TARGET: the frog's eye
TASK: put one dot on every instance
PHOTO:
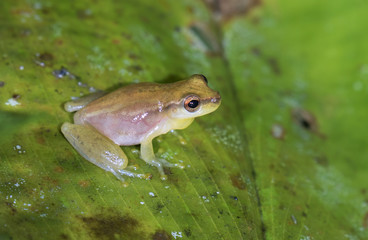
(191, 103)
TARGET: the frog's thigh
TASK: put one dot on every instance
(80, 103)
(96, 148)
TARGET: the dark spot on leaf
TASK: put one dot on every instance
(263, 229)
(2, 83)
(46, 56)
(321, 160)
(126, 36)
(106, 226)
(256, 51)
(44, 59)
(159, 206)
(365, 221)
(304, 214)
(16, 96)
(237, 181)
(306, 120)
(187, 232)
(133, 56)
(13, 210)
(135, 68)
(221, 211)
(64, 236)
(363, 191)
(273, 63)
(62, 72)
(161, 235)
(234, 197)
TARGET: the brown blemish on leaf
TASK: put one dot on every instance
(321, 160)
(40, 135)
(115, 41)
(59, 169)
(274, 64)
(238, 182)
(44, 59)
(306, 120)
(46, 56)
(64, 236)
(161, 235)
(105, 226)
(256, 51)
(2, 83)
(133, 56)
(50, 180)
(226, 9)
(365, 221)
(13, 210)
(84, 183)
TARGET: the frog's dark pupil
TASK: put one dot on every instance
(193, 104)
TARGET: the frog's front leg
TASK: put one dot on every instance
(98, 149)
(148, 155)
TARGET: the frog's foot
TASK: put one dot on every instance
(160, 163)
(145, 176)
(169, 164)
(149, 157)
(121, 172)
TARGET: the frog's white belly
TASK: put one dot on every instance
(125, 130)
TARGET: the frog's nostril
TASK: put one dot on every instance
(216, 99)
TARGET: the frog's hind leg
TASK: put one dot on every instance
(98, 149)
(80, 103)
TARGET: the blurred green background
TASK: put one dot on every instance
(284, 157)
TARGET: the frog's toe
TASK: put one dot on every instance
(145, 176)
(169, 164)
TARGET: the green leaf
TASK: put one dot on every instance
(284, 157)
(54, 51)
(301, 72)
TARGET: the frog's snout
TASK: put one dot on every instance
(217, 98)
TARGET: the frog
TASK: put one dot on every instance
(132, 115)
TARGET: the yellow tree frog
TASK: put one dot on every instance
(132, 115)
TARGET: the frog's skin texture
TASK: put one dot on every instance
(132, 115)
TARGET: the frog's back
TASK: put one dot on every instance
(126, 115)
